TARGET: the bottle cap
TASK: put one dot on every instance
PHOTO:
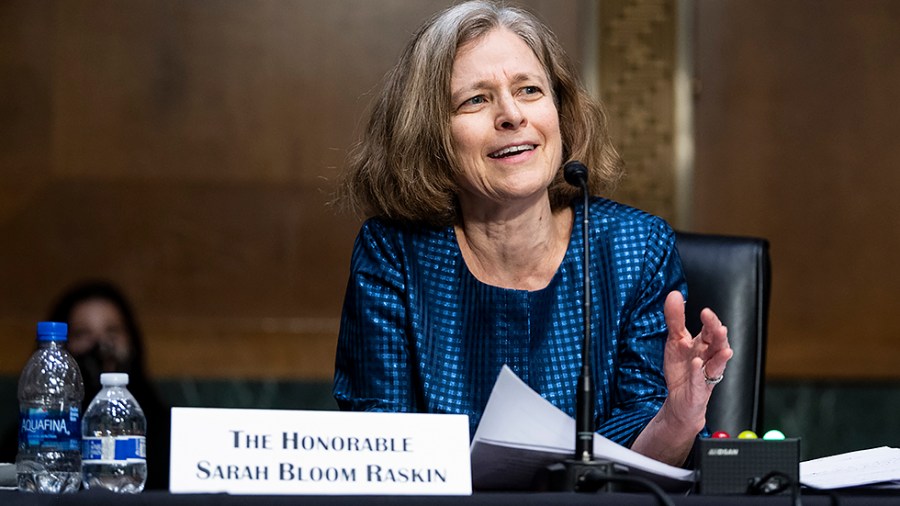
(114, 379)
(52, 331)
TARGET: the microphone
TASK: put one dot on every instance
(584, 473)
(576, 174)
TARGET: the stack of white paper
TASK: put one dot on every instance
(873, 467)
(520, 433)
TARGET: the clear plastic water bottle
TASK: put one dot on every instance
(50, 395)
(114, 444)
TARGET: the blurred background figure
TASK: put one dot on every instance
(104, 336)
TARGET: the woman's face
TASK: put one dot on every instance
(98, 323)
(504, 123)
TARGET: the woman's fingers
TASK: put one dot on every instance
(674, 313)
(715, 366)
(712, 345)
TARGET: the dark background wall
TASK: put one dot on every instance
(796, 127)
(187, 150)
(795, 135)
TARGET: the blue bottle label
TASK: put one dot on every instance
(96, 450)
(50, 429)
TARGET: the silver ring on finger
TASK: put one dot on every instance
(712, 381)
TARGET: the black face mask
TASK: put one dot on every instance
(93, 363)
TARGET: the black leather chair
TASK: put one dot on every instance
(731, 276)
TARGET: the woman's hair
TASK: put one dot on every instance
(403, 168)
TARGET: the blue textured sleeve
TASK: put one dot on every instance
(640, 382)
(372, 365)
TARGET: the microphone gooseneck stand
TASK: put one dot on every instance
(584, 473)
(576, 174)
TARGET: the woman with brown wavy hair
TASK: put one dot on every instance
(469, 259)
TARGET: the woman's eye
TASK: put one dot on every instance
(475, 100)
(531, 90)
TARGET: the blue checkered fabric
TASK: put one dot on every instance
(420, 334)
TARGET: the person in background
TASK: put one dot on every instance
(470, 258)
(104, 336)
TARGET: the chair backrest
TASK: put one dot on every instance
(731, 276)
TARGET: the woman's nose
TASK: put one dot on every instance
(509, 114)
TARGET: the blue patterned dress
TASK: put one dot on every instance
(420, 334)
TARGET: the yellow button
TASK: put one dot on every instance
(748, 434)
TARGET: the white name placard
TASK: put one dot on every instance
(254, 451)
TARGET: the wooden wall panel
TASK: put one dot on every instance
(187, 150)
(796, 126)
(25, 101)
(637, 70)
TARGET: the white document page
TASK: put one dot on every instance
(521, 432)
(865, 467)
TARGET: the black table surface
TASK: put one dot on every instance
(101, 498)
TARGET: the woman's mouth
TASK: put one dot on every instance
(511, 150)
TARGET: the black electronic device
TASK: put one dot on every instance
(747, 466)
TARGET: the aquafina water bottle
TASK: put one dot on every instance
(50, 395)
(114, 444)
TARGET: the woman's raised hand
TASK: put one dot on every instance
(693, 364)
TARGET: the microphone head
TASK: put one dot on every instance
(576, 173)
